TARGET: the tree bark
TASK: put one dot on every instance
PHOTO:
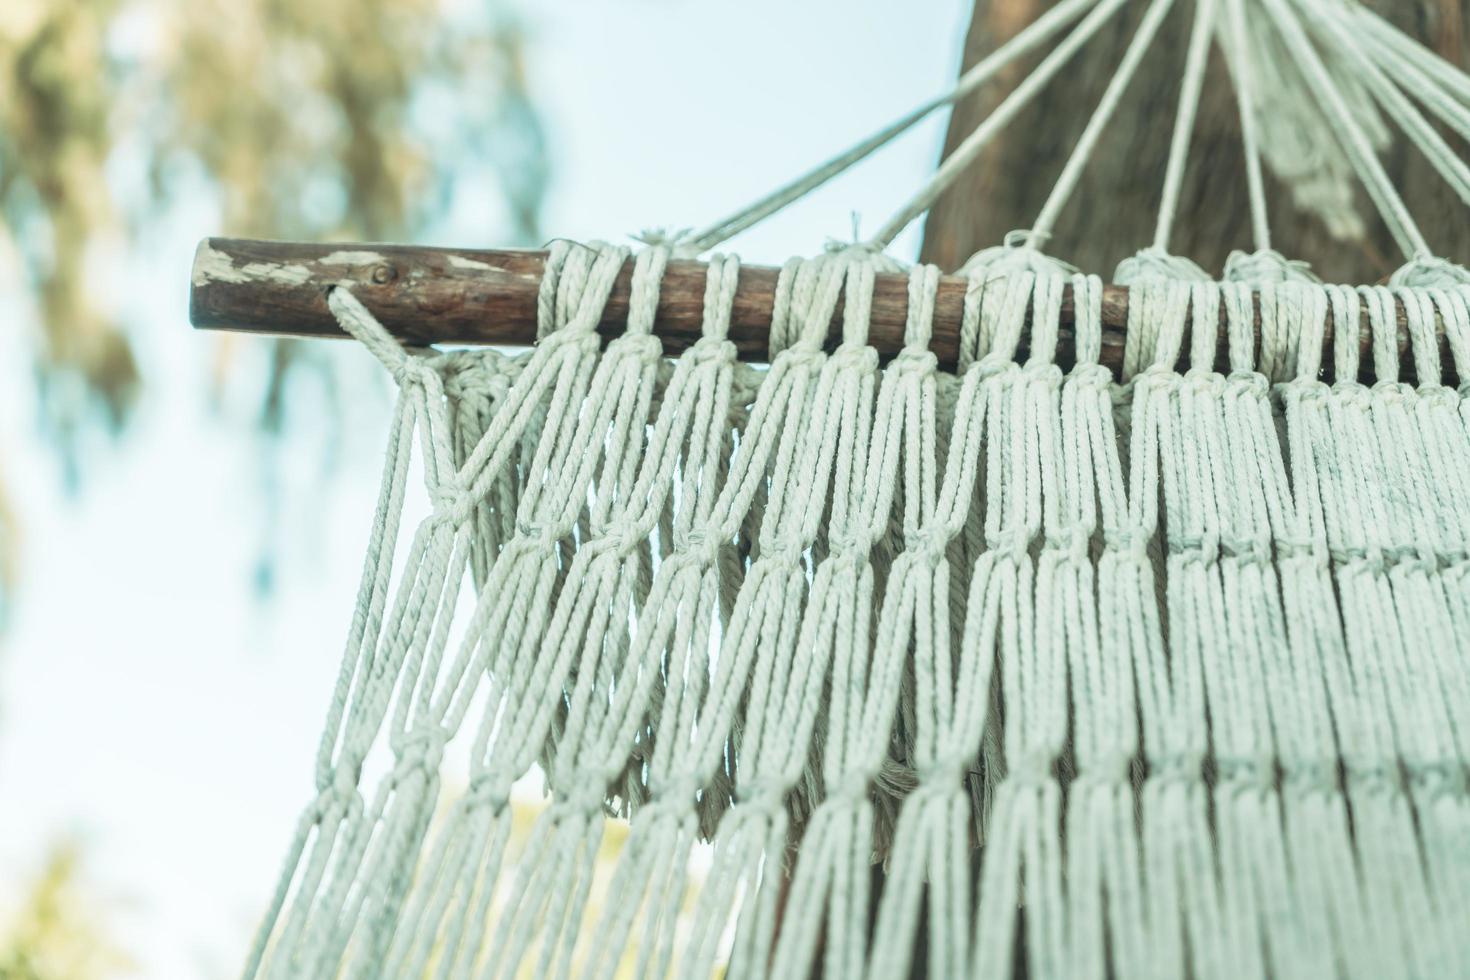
(1112, 213)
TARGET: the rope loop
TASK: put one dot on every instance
(1153, 264)
(575, 285)
(1266, 265)
(912, 361)
(1087, 320)
(1158, 304)
(918, 328)
(678, 243)
(721, 281)
(407, 369)
(648, 274)
(1426, 271)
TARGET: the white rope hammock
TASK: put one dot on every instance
(1165, 677)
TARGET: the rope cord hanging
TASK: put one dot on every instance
(1154, 676)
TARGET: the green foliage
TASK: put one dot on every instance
(346, 119)
(58, 933)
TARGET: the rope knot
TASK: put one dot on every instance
(711, 350)
(341, 794)
(1175, 768)
(411, 370)
(703, 546)
(1156, 377)
(676, 240)
(846, 544)
(1020, 253)
(1266, 265)
(1351, 394)
(1314, 778)
(1155, 265)
(1291, 546)
(407, 369)
(1437, 780)
(1132, 542)
(1074, 541)
(422, 747)
(1011, 544)
(643, 346)
(763, 792)
(1042, 372)
(1442, 398)
(453, 503)
(1252, 550)
(930, 544)
(1301, 390)
(488, 791)
(1206, 383)
(854, 357)
(1254, 775)
(1093, 376)
(615, 540)
(1255, 384)
(803, 357)
(586, 796)
(1394, 392)
(783, 548)
(1428, 271)
(586, 341)
(912, 360)
(1201, 549)
(994, 364)
(1407, 559)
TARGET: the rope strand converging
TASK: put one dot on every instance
(884, 664)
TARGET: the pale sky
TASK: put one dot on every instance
(150, 703)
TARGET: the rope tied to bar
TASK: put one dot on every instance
(1179, 648)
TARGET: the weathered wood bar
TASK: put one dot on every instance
(466, 296)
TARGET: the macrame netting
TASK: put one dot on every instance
(1160, 675)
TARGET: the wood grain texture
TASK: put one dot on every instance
(1112, 213)
(458, 296)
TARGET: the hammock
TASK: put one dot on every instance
(1124, 643)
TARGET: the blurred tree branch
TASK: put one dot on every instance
(348, 119)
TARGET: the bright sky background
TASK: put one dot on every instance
(150, 703)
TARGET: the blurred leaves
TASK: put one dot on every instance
(56, 134)
(57, 933)
(346, 119)
(9, 550)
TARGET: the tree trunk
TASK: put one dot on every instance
(1112, 213)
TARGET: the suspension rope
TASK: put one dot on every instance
(965, 153)
(1026, 41)
(1242, 71)
(1433, 146)
(1350, 134)
(1189, 92)
(1061, 192)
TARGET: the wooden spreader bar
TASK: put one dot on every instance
(463, 296)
